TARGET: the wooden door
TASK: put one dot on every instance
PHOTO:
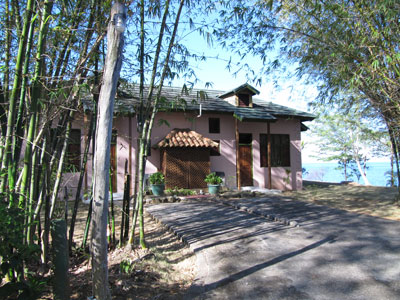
(186, 168)
(245, 165)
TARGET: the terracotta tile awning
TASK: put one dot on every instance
(186, 138)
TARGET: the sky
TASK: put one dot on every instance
(289, 92)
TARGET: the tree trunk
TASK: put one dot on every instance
(360, 169)
(101, 174)
(60, 259)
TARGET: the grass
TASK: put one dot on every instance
(371, 200)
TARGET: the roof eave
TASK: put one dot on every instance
(235, 91)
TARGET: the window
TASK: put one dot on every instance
(73, 159)
(244, 100)
(280, 150)
(245, 138)
(216, 151)
(213, 125)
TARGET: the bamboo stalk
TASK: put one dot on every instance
(87, 224)
(124, 200)
(59, 173)
(34, 182)
(17, 140)
(13, 98)
(80, 182)
(48, 4)
(148, 125)
(112, 215)
(127, 207)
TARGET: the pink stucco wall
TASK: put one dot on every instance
(226, 162)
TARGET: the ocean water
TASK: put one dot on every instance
(328, 172)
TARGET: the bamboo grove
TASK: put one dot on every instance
(50, 48)
(53, 52)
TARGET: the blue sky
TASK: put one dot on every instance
(289, 92)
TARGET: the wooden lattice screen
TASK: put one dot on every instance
(185, 167)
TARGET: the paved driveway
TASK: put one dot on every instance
(331, 255)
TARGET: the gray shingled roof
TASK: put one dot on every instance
(245, 86)
(177, 99)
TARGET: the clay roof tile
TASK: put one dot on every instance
(186, 138)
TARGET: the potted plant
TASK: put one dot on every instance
(214, 183)
(157, 183)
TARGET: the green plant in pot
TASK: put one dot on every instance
(157, 183)
(213, 182)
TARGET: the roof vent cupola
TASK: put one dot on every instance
(242, 95)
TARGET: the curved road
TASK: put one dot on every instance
(332, 254)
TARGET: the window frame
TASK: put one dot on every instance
(214, 127)
(280, 150)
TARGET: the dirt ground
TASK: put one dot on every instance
(167, 268)
(163, 271)
(371, 200)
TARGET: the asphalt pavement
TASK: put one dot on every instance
(245, 249)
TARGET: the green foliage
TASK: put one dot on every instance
(213, 178)
(350, 169)
(286, 179)
(127, 267)
(157, 178)
(348, 49)
(351, 139)
(391, 178)
(180, 192)
(15, 253)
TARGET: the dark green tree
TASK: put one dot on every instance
(345, 47)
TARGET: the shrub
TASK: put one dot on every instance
(213, 178)
(15, 254)
(180, 192)
(157, 178)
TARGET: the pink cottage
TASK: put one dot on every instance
(247, 141)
